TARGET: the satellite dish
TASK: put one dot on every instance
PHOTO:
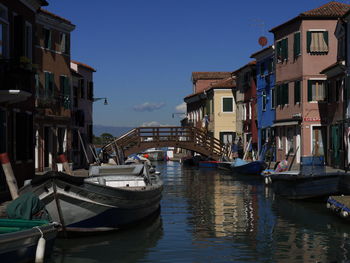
(262, 41)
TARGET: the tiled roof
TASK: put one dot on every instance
(251, 63)
(228, 83)
(334, 65)
(225, 83)
(54, 16)
(331, 10)
(261, 51)
(210, 75)
(83, 65)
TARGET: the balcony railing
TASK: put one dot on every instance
(16, 76)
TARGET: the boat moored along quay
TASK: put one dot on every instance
(19, 239)
(98, 203)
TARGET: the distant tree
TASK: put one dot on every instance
(106, 138)
(96, 140)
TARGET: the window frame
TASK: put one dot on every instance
(308, 90)
(222, 104)
(309, 37)
(295, 54)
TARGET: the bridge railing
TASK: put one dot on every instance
(149, 135)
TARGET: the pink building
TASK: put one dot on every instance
(305, 45)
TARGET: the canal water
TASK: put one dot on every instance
(212, 216)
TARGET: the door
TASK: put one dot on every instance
(319, 141)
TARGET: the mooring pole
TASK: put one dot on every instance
(10, 178)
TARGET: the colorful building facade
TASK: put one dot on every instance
(265, 79)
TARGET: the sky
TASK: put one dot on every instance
(145, 51)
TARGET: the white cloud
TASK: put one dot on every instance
(153, 124)
(181, 108)
(148, 106)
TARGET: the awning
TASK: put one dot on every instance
(286, 123)
(14, 96)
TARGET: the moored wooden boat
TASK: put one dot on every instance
(340, 205)
(98, 203)
(295, 185)
(19, 239)
(240, 166)
(208, 164)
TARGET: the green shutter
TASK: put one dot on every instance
(296, 92)
(52, 85)
(309, 90)
(66, 93)
(285, 48)
(296, 44)
(207, 107)
(308, 39)
(325, 36)
(50, 40)
(279, 49)
(286, 98)
(278, 97)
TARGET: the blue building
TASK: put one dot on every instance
(265, 78)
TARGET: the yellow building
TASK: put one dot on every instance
(214, 107)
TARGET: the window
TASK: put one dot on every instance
(273, 98)
(47, 38)
(64, 43)
(282, 94)
(227, 104)
(297, 44)
(227, 137)
(282, 50)
(65, 91)
(49, 84)
(264, 100)
(297, 92)
(317, 42)
(316, 90)
(28, 41)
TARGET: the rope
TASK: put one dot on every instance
(41, 232)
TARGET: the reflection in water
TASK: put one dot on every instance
(128, 245)
(213, 216)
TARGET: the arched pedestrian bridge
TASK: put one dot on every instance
(189, 138)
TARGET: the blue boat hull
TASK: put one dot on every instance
(209, 164)
(252, 168)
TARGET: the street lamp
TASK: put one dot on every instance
(105, 102)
